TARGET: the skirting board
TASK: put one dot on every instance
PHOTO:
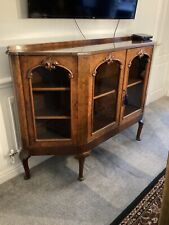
(5, 82)
(155, 96)
(7, 174)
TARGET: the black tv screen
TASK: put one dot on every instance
(95, 9)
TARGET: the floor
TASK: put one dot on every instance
(116, 172)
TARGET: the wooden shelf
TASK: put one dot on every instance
(51, 89)
(52, 117)
(105, 94)
(133, 82)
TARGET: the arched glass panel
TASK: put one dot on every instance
(134, 93)
(106, 84)
(51, 102)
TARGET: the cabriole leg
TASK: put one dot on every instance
(81, 168)
(81, 159)
(24, 156)
(140, 127)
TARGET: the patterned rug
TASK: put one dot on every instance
(145, 209)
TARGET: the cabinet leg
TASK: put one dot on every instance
(81, 159)
(24, 156)
(81, 168)
(140, 127)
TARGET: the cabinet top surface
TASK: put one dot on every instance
(89, 49)
(85, 47)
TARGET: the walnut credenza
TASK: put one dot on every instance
(73, 95)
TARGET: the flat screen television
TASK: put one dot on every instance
(82, 9)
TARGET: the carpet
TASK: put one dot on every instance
(145, 209)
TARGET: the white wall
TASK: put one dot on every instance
(159, 82)
(15, 28)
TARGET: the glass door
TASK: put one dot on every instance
(51, 102)
(106, 80)
(136, 77)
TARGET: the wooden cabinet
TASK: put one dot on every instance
(72, 96)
